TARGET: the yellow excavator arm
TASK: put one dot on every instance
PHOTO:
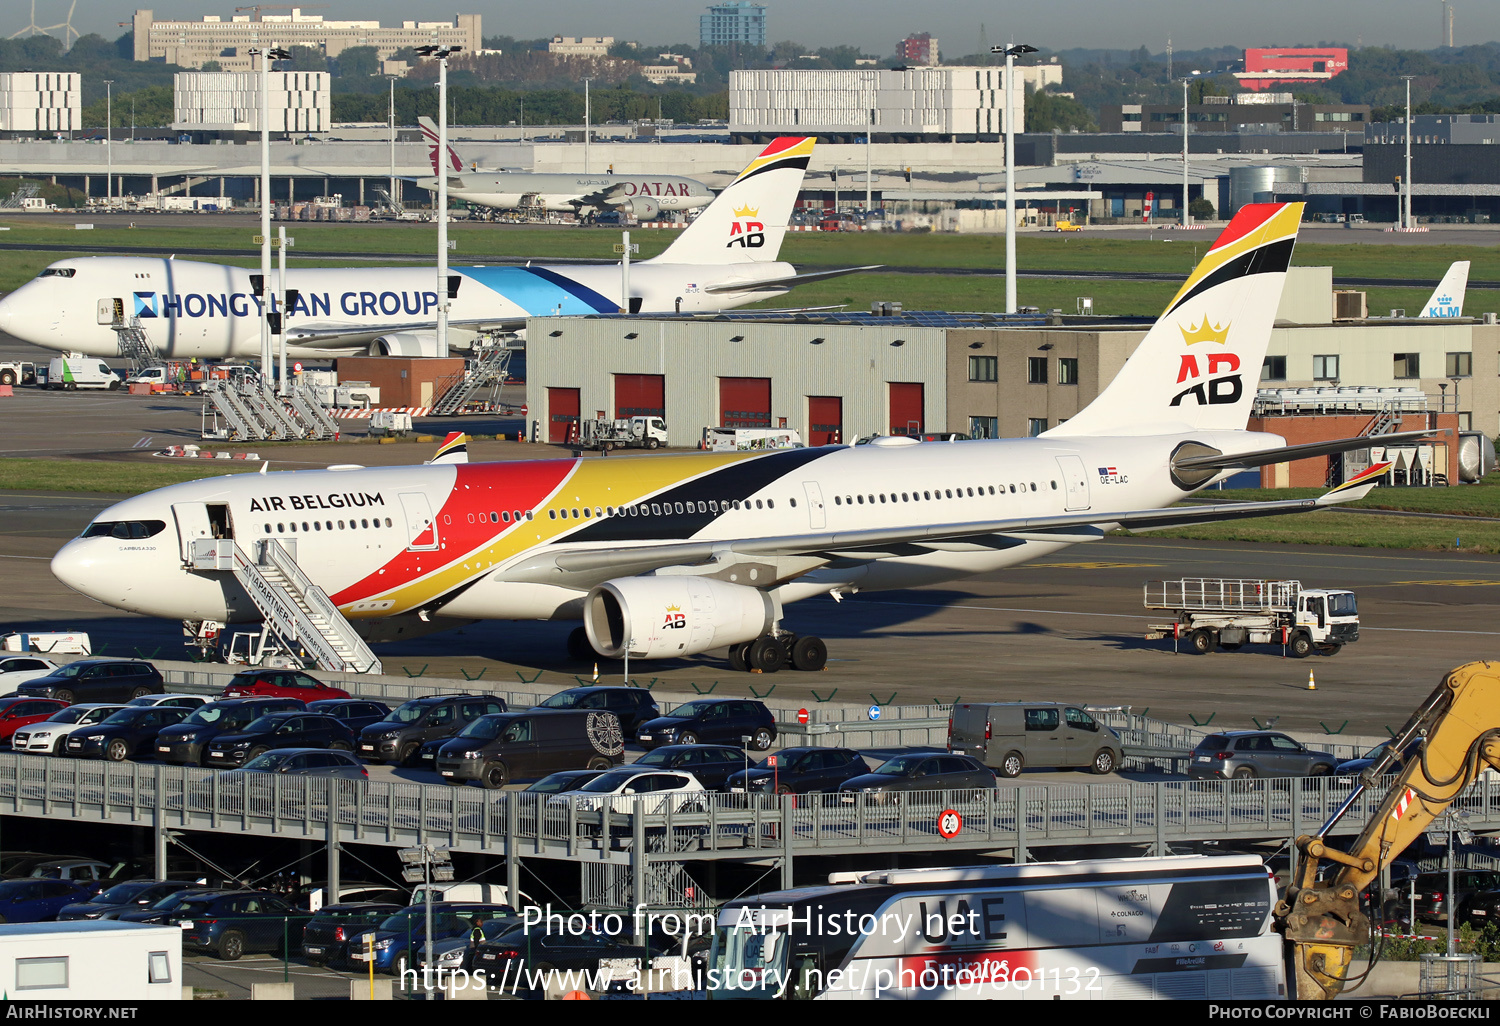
(1447, 743)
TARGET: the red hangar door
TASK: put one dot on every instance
(825, 419)
(640, 395)
(744, 402)
(906, 403)
(562, 415)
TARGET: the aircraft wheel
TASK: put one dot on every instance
(766, 655)
(809, 653)
(739, 659)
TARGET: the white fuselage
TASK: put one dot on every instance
(510, 190)
(363, 535)
(193, 309)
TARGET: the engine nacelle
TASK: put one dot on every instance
(642, 208)
(663, 617)
(405, 343)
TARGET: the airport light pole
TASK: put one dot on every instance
(441, 55)
(266, 55)
(435, 863)
(395, 203)
(1185, 219)
(1011, 52)
(109, 156)
(586, 132)
(1406, 205)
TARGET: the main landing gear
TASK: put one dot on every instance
(772, 653)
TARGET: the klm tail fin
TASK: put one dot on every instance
(455, 449)
(1198, 366)
(430, 134)
(1448, 299)
(747, 221)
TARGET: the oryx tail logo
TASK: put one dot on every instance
(744, 230)
(145, 304)
(1228, 387)
(676, 619)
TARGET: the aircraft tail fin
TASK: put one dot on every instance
(1447, 300)
(455, 449)
(747, 221)
(1199, 365)
(430, 136)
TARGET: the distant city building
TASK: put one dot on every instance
(1439, 129)
(739, 22)
(580, 46)
(229, 101)
(949, 104)
(32, 101)
(193, 44)
(668, 74)
(1243, 112)
(919, 49)
(1274, 68)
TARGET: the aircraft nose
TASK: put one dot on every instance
(79, 568)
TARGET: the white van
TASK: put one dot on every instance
(497, 894)
(78, 371)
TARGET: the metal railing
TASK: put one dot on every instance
(697, 826)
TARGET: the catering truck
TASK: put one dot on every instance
(1228, 613)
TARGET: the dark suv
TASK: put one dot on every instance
(187, 742)
(633, 706)
(233, 924)
(800, 771)
(399, 736)
(721, 720)
(711, 764)
(96, 680)
(297, 729)
(1244, 754)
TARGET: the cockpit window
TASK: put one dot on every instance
(127, 529)
(58, 272)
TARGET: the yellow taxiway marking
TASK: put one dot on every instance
(1090, 566)
(1454, 582)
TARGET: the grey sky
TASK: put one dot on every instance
(876, 25)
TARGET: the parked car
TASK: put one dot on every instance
(49, 736)
(1244, 754)
(262, 683)
(354, 713)
(452, 953)
(1009, 736)
(711, 764)
(296, 729)
(516, 746)
(633, 706)
(325, 939)
(187, 743)
(16, 713)
(307, 762)
(400, 736)
(403, 932)
(656, 791)
(921, 771)
(1354, 767)
(522, 950)
(123, 897)
(172, 904)
(17, 670)
(238, 923)
(125, 734)
(168, 698)
(800, 771)
(97, 680)
(716, 720)
(566, 780)
(1468, 884)
(39, 901)
(72, 870)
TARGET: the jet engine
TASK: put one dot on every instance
(405, 343)
(662, 617)
(642, 208)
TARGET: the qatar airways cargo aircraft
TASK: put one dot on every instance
(666, 556)
(724, 259)
(640, 196)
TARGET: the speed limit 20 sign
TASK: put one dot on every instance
(949, 824)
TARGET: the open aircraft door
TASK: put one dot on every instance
(192, 524)
(1076, 481)
(420, 527)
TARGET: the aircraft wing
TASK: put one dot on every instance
(350, 338)
(585, 567)
(1264, 457)
(788, 281)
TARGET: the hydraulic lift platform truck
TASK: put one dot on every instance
(1222, 612)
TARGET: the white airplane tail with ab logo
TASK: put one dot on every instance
(747, 221)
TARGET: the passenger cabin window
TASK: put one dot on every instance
(1042, 719)
(1080, 719)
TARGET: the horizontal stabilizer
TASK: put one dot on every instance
(1288, 453)
(789, 281)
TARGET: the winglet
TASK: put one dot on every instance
(1357, 487)
(264, 467)
(455, 449)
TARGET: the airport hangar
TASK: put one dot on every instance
(834, 377)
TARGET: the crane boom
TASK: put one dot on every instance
(1451, 737)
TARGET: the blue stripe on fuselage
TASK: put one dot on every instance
(539, 291)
